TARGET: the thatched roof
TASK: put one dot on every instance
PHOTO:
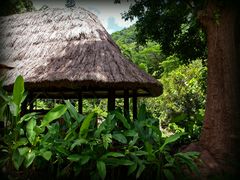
(67, 50)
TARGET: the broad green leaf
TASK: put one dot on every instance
(85, 125)
(141, 153)
(149, 148)
(53, 114)
(74, 157)
(192, 154)
(28, 117)
(78, 142)
(47, 155)
(84, 159)
(18, 90)
(100, 129)
(74, 114)
(67, 119)
(132, 142)
(20, 142)
(130, 133)
(171, 139)
(132, 168)
(156, 130)
(23, 150)
(14, 109)
(142, 113)
(39, 129)
(140, 170)
(31, 134)
(101, 166)
(168, 174)
(110, 118)
(30, 156)
(62, 150)
(119, 162)
(54, 128)
(24, 96)
(17, 159)
(72, 131)
(120, 138)
(110, 122)
(188, 160)
(3, 107)
(123, 120)
(113, 154)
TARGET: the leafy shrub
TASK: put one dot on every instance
(79, 146)
(181, 106)
(147, 56)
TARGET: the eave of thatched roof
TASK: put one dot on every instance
(67, 50)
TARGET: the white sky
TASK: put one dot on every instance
(108, 12)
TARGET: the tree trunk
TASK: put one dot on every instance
(221, 130)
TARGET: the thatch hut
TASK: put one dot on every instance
(67, 53)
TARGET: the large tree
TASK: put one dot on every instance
(221, 130)
(174, 23)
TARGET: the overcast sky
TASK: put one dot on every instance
(108, 12)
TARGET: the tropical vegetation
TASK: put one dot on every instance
(181, 106)
(76, 145)
(168, 42)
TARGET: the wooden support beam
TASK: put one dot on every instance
(24, 106)
(126, 104)
(31, 100)
(80, 103)
(134, 104)
(111, 100)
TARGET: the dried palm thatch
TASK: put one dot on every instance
(68, 50)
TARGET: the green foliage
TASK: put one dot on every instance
(85, 125)
(53, 114)
(171, 139)
(173, 24)
(80, 147)
(147, 57)
(101, 166)
(15, 6)
(125, 36)
(181, 106)
(18, 95)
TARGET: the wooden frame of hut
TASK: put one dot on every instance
(67, 53)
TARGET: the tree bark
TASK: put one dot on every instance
(221, 129)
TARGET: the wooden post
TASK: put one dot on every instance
(80, 103)
(24, 106)
(31, 102)
(126, 104)
(111, 100)
(134, 104)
